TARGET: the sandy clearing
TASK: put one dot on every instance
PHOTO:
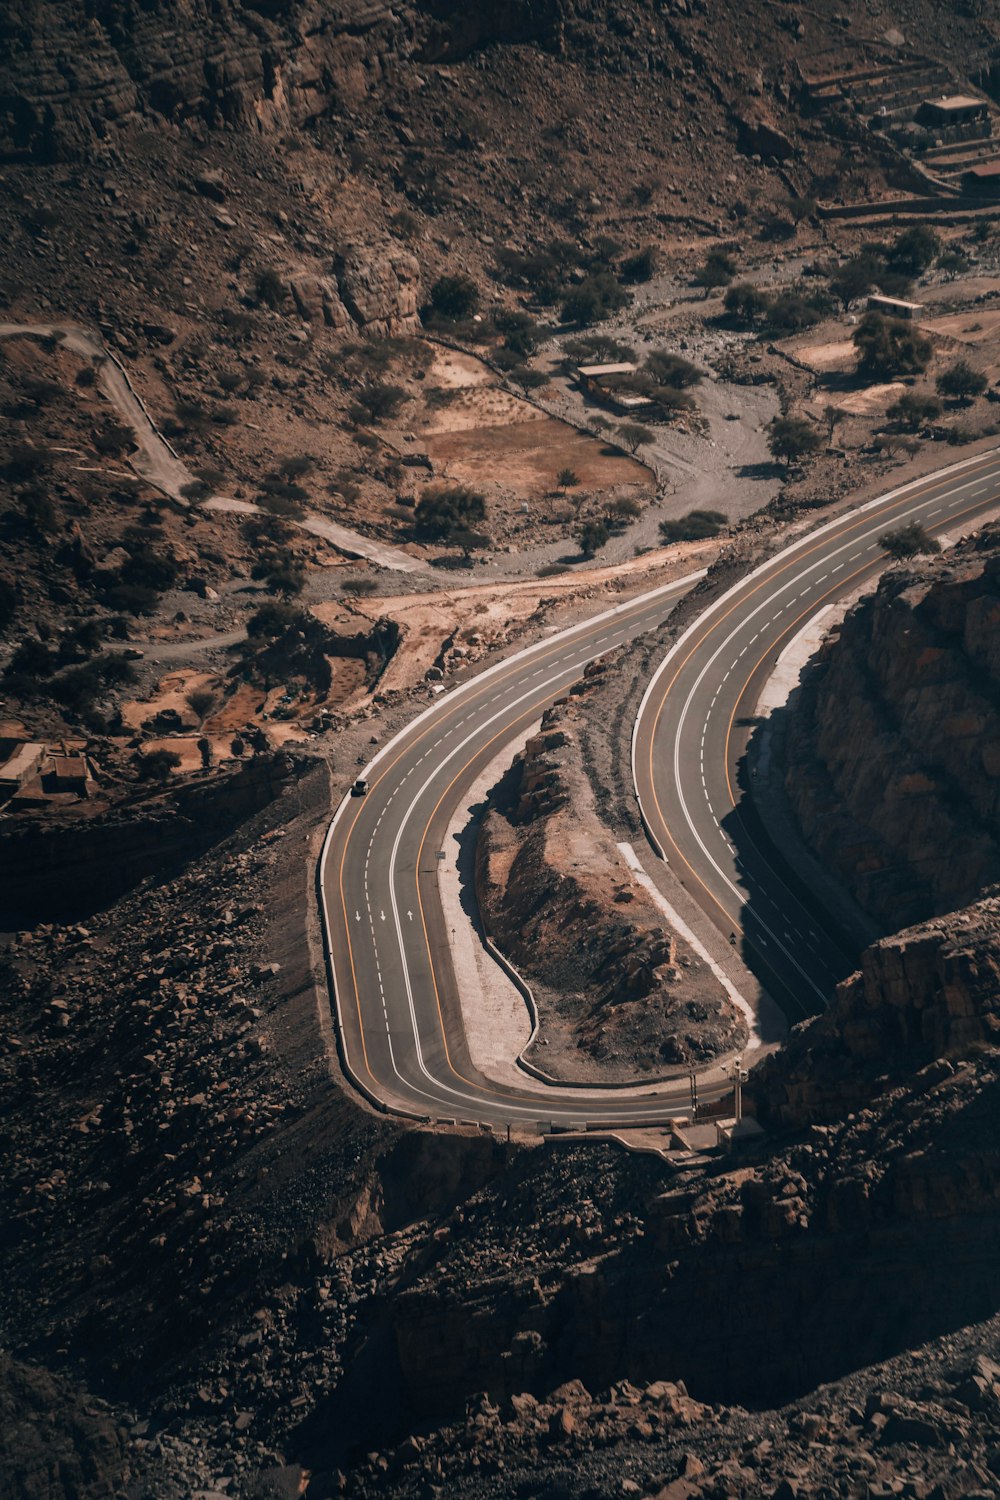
(476, 409)
(457, 371)
(527, 457)
(977, 326)
(823, 356)
(874, 398)
(496, 612)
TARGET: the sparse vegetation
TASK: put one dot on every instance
(376, 403)
(696, 526)
(888, 347)
(790, 439)
(449, 512)
(908, 541)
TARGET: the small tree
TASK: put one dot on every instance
(672, 370)
(912, 411)
(746, 304)
(594, 299)
(953, 263)
(854, 279)
(447, 511)
(890, 346)
(961, 382)
(454, 298)
(717, 269)
(792, 438)
(156, 765)
(567, 479)
(696, 526)
(914, 250)
(591, 536)
(641, 266)
(632, 435)
(831, 416)
(376, 402)
(908, 541)
(201, 701)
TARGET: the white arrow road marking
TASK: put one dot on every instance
(382, 915)
(357, 916)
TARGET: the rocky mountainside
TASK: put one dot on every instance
(894, 752)
(617, 990)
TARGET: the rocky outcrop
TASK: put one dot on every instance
(894, 752)
(55, 1439)
(379, 288)
(618, 991)
(72, 73)
(921, 999)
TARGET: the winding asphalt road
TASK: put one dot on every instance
(693, 726)
(399, 1021)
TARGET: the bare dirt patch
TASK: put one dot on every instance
(978, 326)
(527, 457)
(445, 631)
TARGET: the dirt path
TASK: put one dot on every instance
(157, 463)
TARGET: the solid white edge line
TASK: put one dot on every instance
(440, 706)
(717, 605)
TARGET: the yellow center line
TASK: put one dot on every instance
(501, 679)
(836, 591)
(855, 524)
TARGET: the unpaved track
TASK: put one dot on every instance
(157, 463)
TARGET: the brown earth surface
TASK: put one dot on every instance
(619, 994)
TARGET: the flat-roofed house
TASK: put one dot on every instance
(982, 180)
(952, 109)
(895, 307)
(22, 765)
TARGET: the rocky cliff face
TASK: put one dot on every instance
(894, 754)
(617, 989)
(74, 72)
(921, 999)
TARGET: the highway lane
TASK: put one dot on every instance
(693, 726)
(397, 1003)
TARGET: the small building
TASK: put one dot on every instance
(21, 766)
(69, 773)
(595, 375)
(983, 180)
(952, 109)
(600, 381)
(895, 307)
